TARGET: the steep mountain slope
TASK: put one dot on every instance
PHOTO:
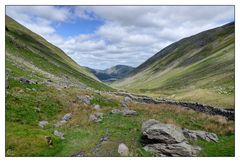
(29, 55)
(113, 73)
(198, 68)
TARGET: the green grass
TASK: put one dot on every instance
(25, 138)
(225, 147)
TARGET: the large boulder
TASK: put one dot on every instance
(96, 117)
(196, 134)
(123, 150)
(166, 140)
(176, 149)
(163, 133)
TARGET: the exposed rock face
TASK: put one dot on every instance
(96, 117)
(43, 123)
(162, 133)
(67, 117)
(123, 150)
(176, 149)
(195, 134)
(166, 140)
(59, 134)
(85, 99)
(128, 112)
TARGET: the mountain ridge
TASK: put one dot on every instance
(202, 63)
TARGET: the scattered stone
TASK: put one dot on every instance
(123, 150)
(37, 109)
(49, 141)
(196, 134)
(96, 107)
(67, 117)
(176, 149)
(60, 123)
(79, 154)
(166, 140)
(59, 134)
(127, 99)
(116, 111)
(128, 112)
(96, 117)
(123, 104)
(43, 123)
(23, 80)
(27, 81)
(85, 99)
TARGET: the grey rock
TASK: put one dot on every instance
(59, 134)
(96, 117)
(96, 107)
(128, 112)
(85, 99)
(60, 123)
(116, 111)
(161, 133)
(43, 123)
(67, 117)
(127, 99)
(176, 149)
(196, 134)
(123, 150)
(123, 104)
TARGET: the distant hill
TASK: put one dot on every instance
(30, 56)
(198, 68)
(113, 73)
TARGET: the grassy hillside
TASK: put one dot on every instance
(29, 55)
(60, 82)
(199, 68)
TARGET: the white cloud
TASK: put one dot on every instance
(129, 34)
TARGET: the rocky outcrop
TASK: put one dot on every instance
(198, 134)
(228, 113)
(154, 131)
(175, 149)
(170, 140)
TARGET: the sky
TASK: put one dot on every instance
(104, 36)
